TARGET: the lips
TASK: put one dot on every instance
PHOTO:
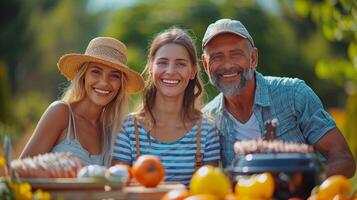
(230, 73)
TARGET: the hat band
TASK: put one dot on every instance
(107, 53)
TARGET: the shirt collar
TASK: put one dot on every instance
(262, 97)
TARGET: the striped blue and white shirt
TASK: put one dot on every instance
(177, 157)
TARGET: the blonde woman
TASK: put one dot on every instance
(169, 123)
(90, 112)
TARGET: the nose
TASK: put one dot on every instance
(227, 63)
(170, 68)
(103, 80)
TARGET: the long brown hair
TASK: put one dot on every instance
(112, 114)
(192, 96)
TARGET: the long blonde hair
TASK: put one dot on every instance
(192, 96)
(112, 114)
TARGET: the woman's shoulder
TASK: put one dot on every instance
(128, 120)
(58, 108)
(56, 115)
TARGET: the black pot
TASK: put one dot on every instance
(295, 174)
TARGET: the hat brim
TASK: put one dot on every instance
(70, 64)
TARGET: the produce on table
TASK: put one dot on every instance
(49, 165)
(335, 187)
(258, 186)
(294, 166)
(120, 173)
(148, 170)
(92, 171)
(210, 180)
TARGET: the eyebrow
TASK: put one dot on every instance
(182, 59)
(215, 54)
(236, 51)
(96, 67)
(101, 69)
(178, 59)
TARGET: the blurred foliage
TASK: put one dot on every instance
(34, 34)
(55, 28)
(274, 36)
(29, 108)
(338, 22)
(4, 95)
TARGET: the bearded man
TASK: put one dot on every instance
(248, 99)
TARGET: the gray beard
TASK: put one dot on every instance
(234, 89)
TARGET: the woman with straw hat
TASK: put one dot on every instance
(85, 120)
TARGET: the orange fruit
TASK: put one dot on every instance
(202, 197)
(210, 180)
(148, 170)
(256, 186)
(176, 195)
(332, 186)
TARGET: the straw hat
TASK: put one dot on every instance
(103, 50)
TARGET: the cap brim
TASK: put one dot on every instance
(219, 33)
(70, 64)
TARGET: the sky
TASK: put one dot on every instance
(99, 5)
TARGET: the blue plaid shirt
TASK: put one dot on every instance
(298, 109)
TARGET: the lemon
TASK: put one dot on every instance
(210, 180)
(334, 185)
(258, 186)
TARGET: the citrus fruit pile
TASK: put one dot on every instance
(335, 187)
(210, 183)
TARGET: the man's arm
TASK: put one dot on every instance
(339, 157)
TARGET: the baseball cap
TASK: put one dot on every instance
(226, 26)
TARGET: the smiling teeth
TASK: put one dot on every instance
(102, 91)
(229, 75)
(170, 81)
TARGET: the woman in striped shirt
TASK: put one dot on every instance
(169, 123)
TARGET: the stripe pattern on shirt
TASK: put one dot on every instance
(177, 157)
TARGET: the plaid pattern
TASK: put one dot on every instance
(300, 113)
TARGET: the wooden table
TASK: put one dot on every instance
(138, 192)
(107, 192)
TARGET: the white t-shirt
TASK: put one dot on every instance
(247, 131)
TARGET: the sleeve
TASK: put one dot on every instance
(212, 145)
(313, 120)
(122, 150)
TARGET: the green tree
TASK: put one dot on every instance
(279, 53)
(338, 22)
(56, 28)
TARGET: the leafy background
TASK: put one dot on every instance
(312, 40)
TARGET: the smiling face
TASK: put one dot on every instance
(102, 83)
(172, 70)
(230, 61)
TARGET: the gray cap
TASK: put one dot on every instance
(226, 26)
